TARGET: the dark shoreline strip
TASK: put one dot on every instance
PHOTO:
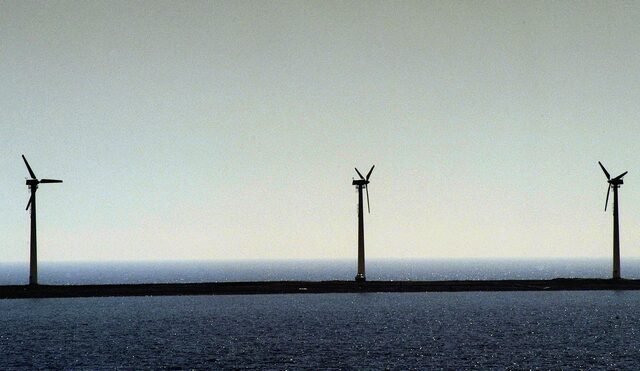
(308, 287)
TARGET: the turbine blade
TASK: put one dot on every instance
(33, 176)
(370, 171)
(605, 170)
(50, 181)
(607, 201)
(368, 206)
(29, 203)
(361, 177)
(620, 176)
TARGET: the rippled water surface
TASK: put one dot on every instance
(342, 331)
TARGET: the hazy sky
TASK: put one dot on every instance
(229, 130)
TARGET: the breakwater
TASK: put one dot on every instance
(299, 287)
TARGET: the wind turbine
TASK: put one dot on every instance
(614, 184)
(33, 186)
(360, 184)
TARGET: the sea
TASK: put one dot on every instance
(397, 331)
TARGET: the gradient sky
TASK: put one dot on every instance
(229, 130)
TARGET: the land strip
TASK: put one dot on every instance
(298, 287)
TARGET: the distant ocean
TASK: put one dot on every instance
(403, 331)
(313, 270)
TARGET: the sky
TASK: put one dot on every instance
(206, 130)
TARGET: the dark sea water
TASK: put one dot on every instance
(507, 330)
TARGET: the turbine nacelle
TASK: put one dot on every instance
(362, 183)
(34, 181)
(617, 180)
(613, 183)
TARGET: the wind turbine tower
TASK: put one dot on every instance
(33, 186)
(614, 184)
(360, 184)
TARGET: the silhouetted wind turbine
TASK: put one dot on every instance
(33, 186)
(614, 183)
(360, 184)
